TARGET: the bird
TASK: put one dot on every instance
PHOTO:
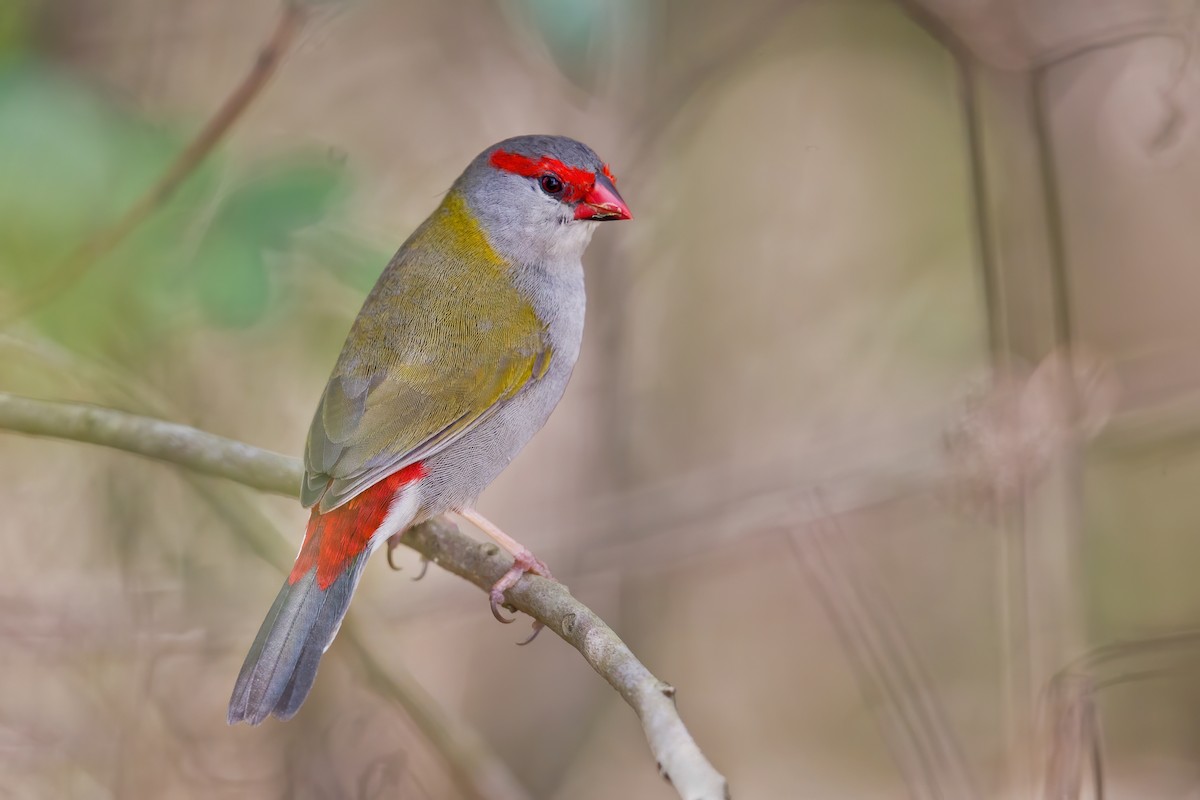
(458, 356)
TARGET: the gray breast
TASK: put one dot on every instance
(459, 474)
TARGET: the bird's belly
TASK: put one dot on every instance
(460, 473)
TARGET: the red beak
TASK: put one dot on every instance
(602, 202)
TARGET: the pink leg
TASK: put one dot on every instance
(523, 562)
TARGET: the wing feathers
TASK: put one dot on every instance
(443, 341)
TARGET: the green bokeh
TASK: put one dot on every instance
(71, 164)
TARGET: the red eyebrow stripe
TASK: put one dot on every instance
(578, 182)
(608, 174)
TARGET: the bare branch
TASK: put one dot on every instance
(549, 602)
(679, 758)
(166, 441)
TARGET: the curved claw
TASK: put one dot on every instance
(537, 628)
(424, 566)
(497, 601)
(523, 563)
(391, 563)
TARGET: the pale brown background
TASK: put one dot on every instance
(800, 302)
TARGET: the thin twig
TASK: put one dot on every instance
(679, 759)
(59, 279)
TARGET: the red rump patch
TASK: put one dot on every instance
(335, 538)
(576, 182)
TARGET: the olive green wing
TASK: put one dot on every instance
(378, 418)
(442, 341)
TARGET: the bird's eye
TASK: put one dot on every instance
(551, 184)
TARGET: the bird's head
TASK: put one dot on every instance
(538, 198)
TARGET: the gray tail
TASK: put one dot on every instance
(282, 664)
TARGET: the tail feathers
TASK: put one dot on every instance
(282, 664)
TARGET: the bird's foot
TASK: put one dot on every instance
(392, 543)
(523, 562)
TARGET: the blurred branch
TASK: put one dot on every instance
(667, 107)
(291, 20)
(1070, 727)
(1107, 40)
(884, 662)
(679, 759)
(966, 67)
(1022, 252)
(1071, 731)
(1070, 724)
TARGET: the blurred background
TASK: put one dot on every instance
(882, 448)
